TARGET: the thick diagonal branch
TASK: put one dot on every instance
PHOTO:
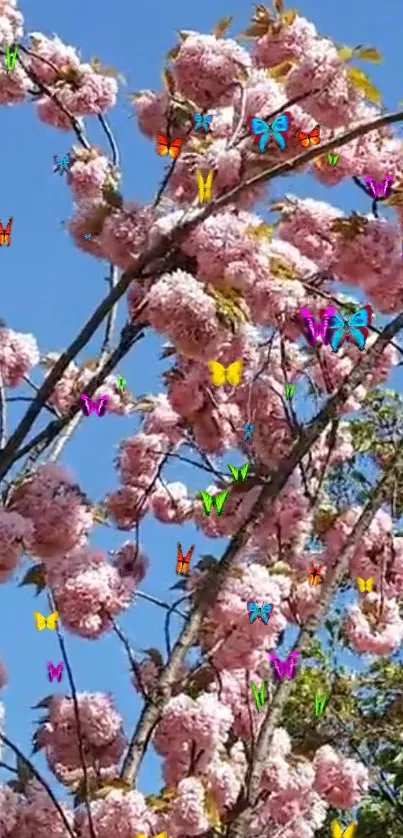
(152, 710)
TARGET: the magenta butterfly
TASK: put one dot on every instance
(99, 406)
(314, 330)
(286, 667)
(55, 671)
(382, 189)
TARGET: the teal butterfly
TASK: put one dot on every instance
(355, 329)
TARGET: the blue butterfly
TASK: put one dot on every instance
(265, 132)
(354, 329)
(202, 121)
(261, 611)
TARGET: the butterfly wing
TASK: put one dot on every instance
(175, 148)
(59, 671)
(234, 373)
(101, 405)
(310, 327)
(2, 234)
(290, 663)
(208, 185)
(281, 122)
(52, 620)
(325, 316)
(336, 829)
(265, 612)
(39, 620)
(253, 609)
(260, 129)
(7, 232)
(350, 830)
(200, 185)
(337, 331)
(278, 665)
(303, 138)
(357, 326)
(360, 584)
(207, 121)
(162, 146)
(217, 373)
(372, 184)
(369, 585)
(315, 135)
(198, 120)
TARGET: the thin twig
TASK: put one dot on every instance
(3, 415)
(78, 721)
(40, 780)
(161, 603)
(130, 654)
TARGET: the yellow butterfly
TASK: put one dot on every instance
(365, 584)
(337, 831)
(46, 622)
(220, 374)
(204, 186)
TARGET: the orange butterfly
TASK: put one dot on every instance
(5, 233)
(165, 147)
(314, 577)
(182, 562)
(313, 137)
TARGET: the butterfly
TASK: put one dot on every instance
(248, 431)
(332, 159)
(320, 704)
(217, 500)
(182, 562)
(165, 147)
(46, 622)
(98, 406)
(354, 329)
(239, 473)
(62, 163)
(87, 235)
(314, 577)
(262, 611)
(204, 186)
(289, 390)
(314, 330)
(312, 138)
(365, 584)
(382, 189)
(337, 831)
(5, 233)
(55, 671)
(264, 132)
(259, 695)
(284, 667)
(220, 374)
(202, 121)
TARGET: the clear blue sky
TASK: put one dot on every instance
(50, 289)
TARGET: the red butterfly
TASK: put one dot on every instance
(5, 233)
(182, 563)
(314, 577)
(312, 138)
(165, 147)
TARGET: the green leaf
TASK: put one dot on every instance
(363, 84)
(369, 54)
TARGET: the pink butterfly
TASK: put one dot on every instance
(55, 671)
(99, 406)
(285, 667)
(382, 189)
(314, 330)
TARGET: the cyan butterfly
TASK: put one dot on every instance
(354, 329)
(277, 130)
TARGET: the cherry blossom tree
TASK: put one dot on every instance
(220, 282)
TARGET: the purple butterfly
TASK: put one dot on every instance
(382, 189)
(314, 330)
(99, 406)
(284, 667)
(55, 671)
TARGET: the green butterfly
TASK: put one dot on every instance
(217, 500)
(289, 390)
(332, 159)
(320, 704)
(242, 471)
